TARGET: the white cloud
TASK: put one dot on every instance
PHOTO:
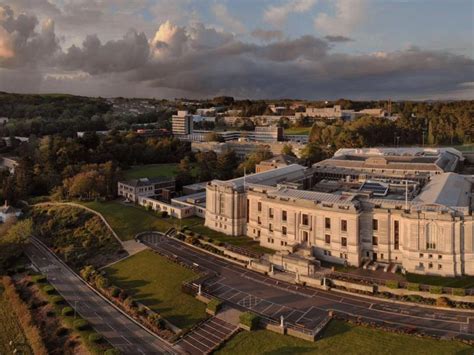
(277, 14)
(349, 14)
(225, 18)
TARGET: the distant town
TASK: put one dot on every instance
(197, 226)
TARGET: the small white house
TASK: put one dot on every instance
(7, 212)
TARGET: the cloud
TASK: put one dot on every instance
(227, 19)
(277, 14)
(337, 39)
(20, 42)
(267, 35)
(349, 14)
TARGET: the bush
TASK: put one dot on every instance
(436, 290)
(39, 279)
(443, 302)
(49, 289)
(130, 302)
(413, 286)
(67, 311)
(392, 284)
(249, 319)
(163, 214)
(459, 292)
(101, 282)
(214, 305)
(155, 319)
(415, 298)
(95, 337)
(80, 324)
(57, 299)
(112, 352)
(115, 292)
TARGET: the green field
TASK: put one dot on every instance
(455, 282)
(10, 329)
(241, 241)
(156, 282)
(340, 338)
(128, 220)
(150, 171)
(298, 130)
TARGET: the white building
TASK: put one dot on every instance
(182, 123)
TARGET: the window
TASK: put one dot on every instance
(327, 223)
(440, 257)
(440, 266)
(248, 210)
(259, 207)
(343, 225)
(305, 236)
(421, 255)
(283, 216)
(430, 265)
(381, 256)
(270, 213)
(283, 230)
(344, 241)
(327, 239)
(258, 233)
(375, 240)
(375, 225)
(305, 220)
(270, 227)
(430, 256)
(396, 235)
(259, 221)
(270, 240)
(221, 205)
(421, 265)
(431, 236)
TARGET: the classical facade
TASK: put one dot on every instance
(423, 226)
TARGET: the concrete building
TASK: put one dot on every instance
(160, 187)
(327, 112)
(242, 149)
(423, 225)
(182, 123)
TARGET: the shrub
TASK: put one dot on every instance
(155, 319)
(49, 289)
(459, 292)
(443, 302)
(80, 324)
(102, 282)
(249, 319)
(115, 292)
(57, 299)
(95, 337)
(87, 272)
(437, 290)
(415, 298)
(130, 302)
(67, 311)
(392, 284)
(112, 352)
(214, 305)
(39, 279)
(413, 286)
(163, 214)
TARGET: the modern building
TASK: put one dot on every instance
(160, 187)
(182, 123)
(242, 149)
(422, 224)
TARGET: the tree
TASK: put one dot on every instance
(13, 235)
(248, 165)
(212, 137)
(312, 153)
(184, 176)
(226, 164)
(288, 150)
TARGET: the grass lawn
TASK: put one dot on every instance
(156, 282)
(241, 241)
(10, 329)
(128, 220)
(456, 282)
(340, 338)
(150, 171)
(298, 130)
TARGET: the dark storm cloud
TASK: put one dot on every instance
(267, 35)
(338, 39)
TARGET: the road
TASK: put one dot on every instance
(118, 329)
(306, 307)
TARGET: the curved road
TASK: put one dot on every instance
(118, 329)
(307, 307)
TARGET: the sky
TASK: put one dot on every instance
(257, 49)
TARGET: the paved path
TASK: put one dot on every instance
(118, 329)
(307, 307)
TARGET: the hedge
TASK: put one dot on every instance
(249, 319)
(80, 324)
(392, 284)
(112, 352)
(413, 286)
(40, 279)
(459, 292)
(57, 299)
(95, 337)
(214, 305)
(49, 289)
(67, 311)
(437, 290)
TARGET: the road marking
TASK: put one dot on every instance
(128, 341)
(309, 309)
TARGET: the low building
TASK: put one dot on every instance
(242, 149)
(7, 212)
(276, 162)
(9, 163)
(160, 187)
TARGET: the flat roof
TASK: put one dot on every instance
(448, 189)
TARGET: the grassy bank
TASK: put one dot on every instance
(340, 338)
(156, 282)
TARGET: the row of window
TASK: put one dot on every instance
(430, 256)
(430, 266)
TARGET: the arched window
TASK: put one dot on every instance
(431, 236)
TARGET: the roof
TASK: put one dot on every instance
(147, 181)
(448, 189)
(313, 196)
(280, 159)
